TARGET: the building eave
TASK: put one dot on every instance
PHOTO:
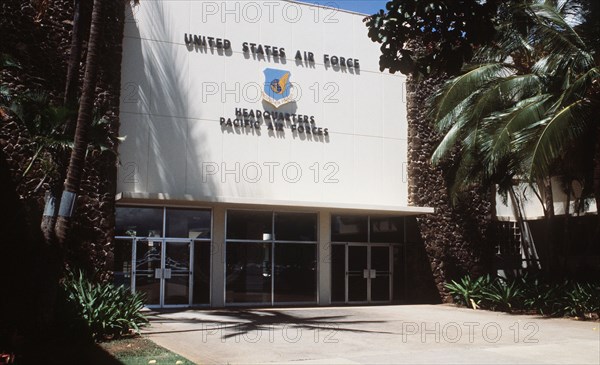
(189, 200)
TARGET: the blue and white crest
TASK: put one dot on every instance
(277, 90)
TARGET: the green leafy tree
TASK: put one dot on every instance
(527, 105)
(45, 124)
(449, 29)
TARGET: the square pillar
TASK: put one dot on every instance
(324, 261)
(217, 269)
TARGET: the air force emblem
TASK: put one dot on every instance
(277, 90)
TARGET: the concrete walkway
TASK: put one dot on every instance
(424, 334)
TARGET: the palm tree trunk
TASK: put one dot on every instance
(75, 55)
(80, 23)
(566, 229)
(84, 119)
(550, 239)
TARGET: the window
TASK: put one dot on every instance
(271, 257)
(349, 228)
(367, 229)
(295, 227)
(186, 223)
(249, 225)
(386, 230)
(139, 222)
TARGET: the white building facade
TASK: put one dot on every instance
(265, 157)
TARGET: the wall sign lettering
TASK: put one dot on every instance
(269, 51)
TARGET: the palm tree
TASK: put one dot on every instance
(84, 120)
(528, 104)
(44, 123)
(80, 22)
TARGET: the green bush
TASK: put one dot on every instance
(101, 310)
(542, 297)
(469, 292)
(504, 295)
(581, 300)
(530, 293)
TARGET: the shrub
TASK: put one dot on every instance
(582, 300)
(528, 292)
(544, 298)
(503, 295)
(102, 310)
(469, 292)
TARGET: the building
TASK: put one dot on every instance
(264, 160)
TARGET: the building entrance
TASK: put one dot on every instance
(162, 271)
(362, 273)
(164, 253)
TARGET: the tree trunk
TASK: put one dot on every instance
(551, 239)
(80, 23)
(84, 119)
(74, 56)
(548, 197)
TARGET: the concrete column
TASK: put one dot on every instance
(217, 272)
(324, 258)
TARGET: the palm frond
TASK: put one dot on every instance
(501, 126)
(8, 61)
(552, 24)
(468, 114)
(509, 42)
(579, 88)
(556, 134)
(458, 89)
(468, 172)
(528, 103)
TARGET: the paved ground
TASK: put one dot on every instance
(374, 335)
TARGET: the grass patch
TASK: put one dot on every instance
(63, 350)
(142, 351)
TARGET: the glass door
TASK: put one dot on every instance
(368, 274)
(380, 274)
(357, 274)
(162, 272)
(148, 269)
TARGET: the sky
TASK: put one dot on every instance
(360, 6)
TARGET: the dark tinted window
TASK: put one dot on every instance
(387, 230)
(201, 273)
(140, 222)
(295, 227)
(413, 233)
(349, 228)
(338, 273)
(248, 272)
(185, 223)
(295, 272)
(249, 225)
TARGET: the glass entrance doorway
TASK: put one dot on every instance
(164, 253)
(162, 271)
(365, 270)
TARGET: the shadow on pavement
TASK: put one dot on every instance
(243, 321)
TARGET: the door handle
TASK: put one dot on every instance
(373, 274)
(162, 273)
(366, 273)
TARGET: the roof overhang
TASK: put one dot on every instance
(191, 201)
